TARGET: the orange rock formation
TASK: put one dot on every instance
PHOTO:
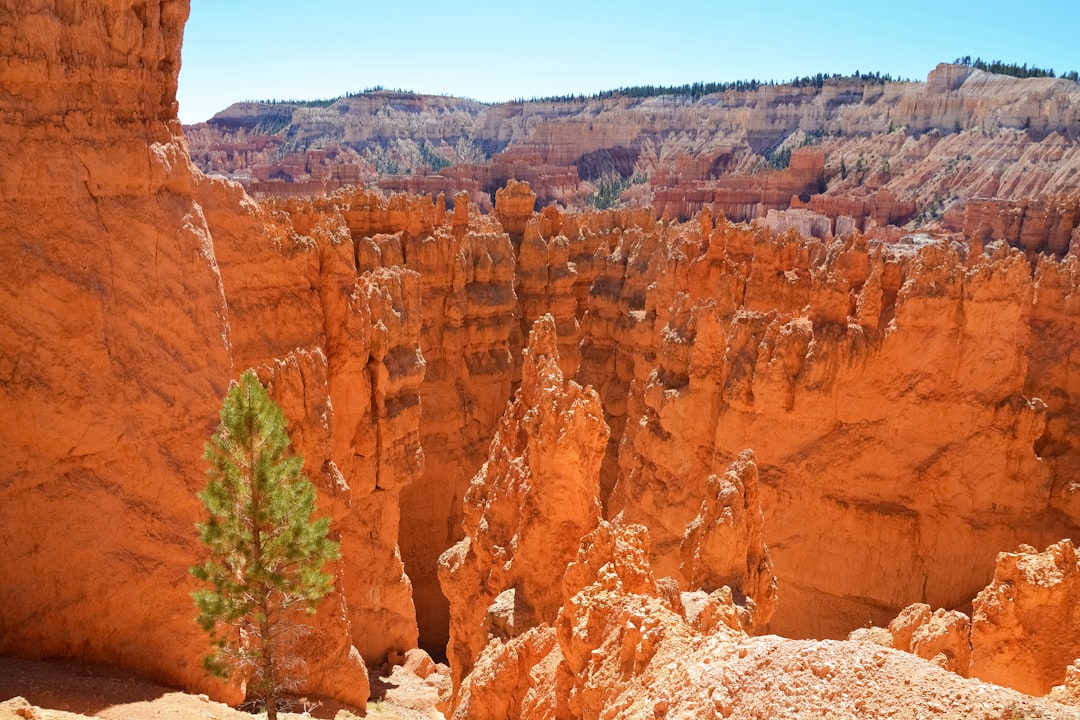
(943, 636)
(730, 520)
(119, 354)
(1024, 624)
(114, 338)
(624, 646)
(701, 340)
(907, 396)
(1022, 630)
(862, 153)
(527, 508)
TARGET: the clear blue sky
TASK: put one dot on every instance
(246, 49)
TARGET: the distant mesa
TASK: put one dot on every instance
(861, 152)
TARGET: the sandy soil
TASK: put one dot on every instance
(71, 691)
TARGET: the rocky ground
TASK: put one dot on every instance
(770, 678)
(68, 691)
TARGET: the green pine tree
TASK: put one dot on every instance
(266, 553)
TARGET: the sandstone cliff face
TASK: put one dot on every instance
(948, 360)
(1053, 318)
(460, 315)
(822, 358)
(114, 340)
(119, 355)
(527, 508)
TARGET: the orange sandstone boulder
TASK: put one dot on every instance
(1068, 693)
(1025, 626)
(943, 637)
(1021, 633)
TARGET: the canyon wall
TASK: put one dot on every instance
(114, 340)
(915, 393)
(137, 290)
(907, 398)
(460, 316)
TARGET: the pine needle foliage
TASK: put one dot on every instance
(266, 553)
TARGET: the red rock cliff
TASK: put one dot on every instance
(915, 393)
(908, 402)
(114, 340)
(128, 319)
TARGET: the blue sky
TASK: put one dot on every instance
(242, 49)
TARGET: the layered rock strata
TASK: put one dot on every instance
(947, 358)
(861, 153)
(118, 356)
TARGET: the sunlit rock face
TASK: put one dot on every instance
(115, 339)
(527, 508)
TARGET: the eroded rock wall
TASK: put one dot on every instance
(114, 339)
(914, 392)
(862, 154)
(330, 663)
(867, 379)
(460, 313)
(296, 285)
(137, 290)
(527, 508)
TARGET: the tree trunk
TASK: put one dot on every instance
(267, 652)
